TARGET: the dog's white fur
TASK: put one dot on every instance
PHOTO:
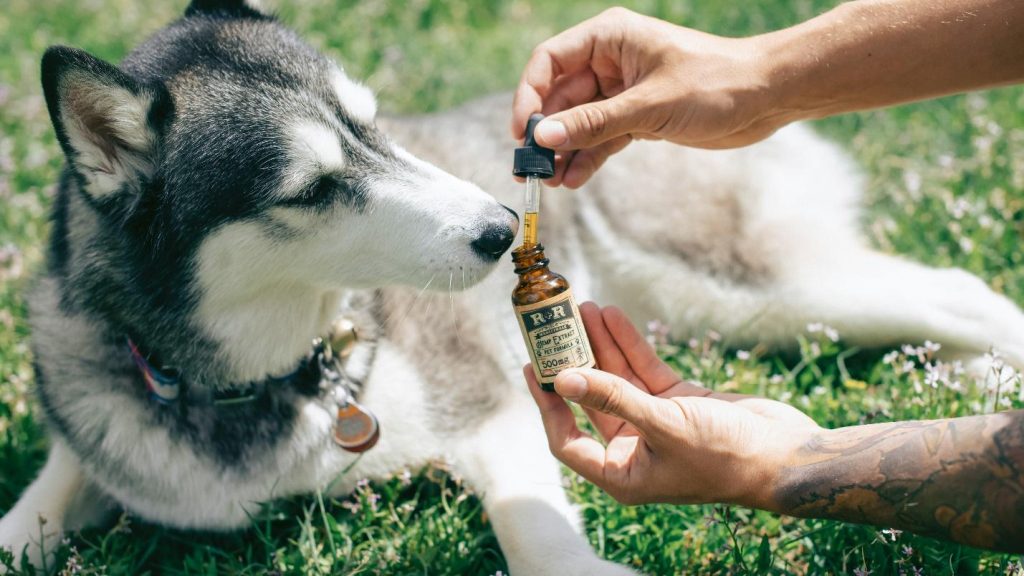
(313, 150)
(357, 98)
(754, 243)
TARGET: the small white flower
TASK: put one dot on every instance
(831, 333)
(959, 208)
(892, 533)
(957, 367)
(891, 357)
(742, 355)
(995, 361)
(932, 375)
(912, 180)
(657, 333)
(815, 327)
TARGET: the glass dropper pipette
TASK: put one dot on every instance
(534, 163)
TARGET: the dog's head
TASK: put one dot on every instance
(248, 149)
(244, 175)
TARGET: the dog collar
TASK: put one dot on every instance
(164, 385)
(356, 429)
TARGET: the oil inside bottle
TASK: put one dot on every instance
(548, 317)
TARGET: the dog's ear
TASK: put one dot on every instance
(108, 124)
(226, 8)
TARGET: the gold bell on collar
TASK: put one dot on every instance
(343, 337)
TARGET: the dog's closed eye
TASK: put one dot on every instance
(323, 192)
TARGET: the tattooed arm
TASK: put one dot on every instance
(671, 441)
(960, 479)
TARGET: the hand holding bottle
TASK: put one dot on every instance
(667, 440)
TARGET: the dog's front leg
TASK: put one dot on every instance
(60, 499)
(508, 462)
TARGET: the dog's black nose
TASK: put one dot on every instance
(494, 241)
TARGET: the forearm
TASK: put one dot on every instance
(875, 53)
(960, 479)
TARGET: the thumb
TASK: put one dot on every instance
(607, 393)
(587, 125)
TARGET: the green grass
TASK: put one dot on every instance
(945, 184)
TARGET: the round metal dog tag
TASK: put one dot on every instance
(356, 428)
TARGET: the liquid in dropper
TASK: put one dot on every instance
(532, 208)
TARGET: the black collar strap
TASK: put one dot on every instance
(165, 385)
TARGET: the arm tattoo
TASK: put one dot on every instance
(960, 479)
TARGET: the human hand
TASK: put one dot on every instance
(667, 440)
(622, 75)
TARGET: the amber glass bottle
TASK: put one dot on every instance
(548, 317)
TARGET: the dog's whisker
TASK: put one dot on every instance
(387, 320)
(415, 300)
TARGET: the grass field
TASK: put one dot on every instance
(945, 186)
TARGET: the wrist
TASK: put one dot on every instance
(796, 64)
(779, 453)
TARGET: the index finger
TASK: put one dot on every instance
(610, 359)
(565, 53)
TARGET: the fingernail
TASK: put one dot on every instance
(551, 133)
(572, 386)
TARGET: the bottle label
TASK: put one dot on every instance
(555, 336)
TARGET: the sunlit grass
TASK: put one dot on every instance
(944, 187)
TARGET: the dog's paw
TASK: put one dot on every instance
(22, 541)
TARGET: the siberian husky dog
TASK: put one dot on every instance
(229, 193)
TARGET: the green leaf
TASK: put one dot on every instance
(764, 556)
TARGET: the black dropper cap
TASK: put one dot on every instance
(533, 159)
